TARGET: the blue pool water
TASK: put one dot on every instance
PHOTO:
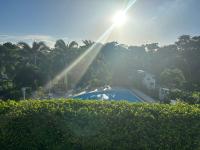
(113, 94)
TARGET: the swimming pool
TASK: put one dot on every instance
(113, 94)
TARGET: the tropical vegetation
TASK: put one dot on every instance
(175, 66)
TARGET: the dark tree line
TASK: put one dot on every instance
(174, 66)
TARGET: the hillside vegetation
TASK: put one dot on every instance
(76, 124)
(175, 66)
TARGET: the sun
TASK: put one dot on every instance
(120, 18)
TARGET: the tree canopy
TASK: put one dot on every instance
(174, 65)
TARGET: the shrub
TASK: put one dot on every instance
(76, 124)
(185, 96)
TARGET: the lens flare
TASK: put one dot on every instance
(81, 64)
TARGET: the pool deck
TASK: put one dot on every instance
(144, 97)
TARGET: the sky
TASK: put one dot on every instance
(148, 21)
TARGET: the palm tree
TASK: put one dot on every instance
(60, 44)
(87, 43)
(73, 44)
(38, 49)
(23, 45)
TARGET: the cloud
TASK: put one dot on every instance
(49, 40)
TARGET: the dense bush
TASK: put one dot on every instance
(185, 96)
(75, 124)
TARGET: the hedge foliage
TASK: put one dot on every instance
(76, 124)
(185, 96)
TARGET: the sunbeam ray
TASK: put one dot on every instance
(81, 64)
(95, 48)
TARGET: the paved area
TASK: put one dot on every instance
(143, 96)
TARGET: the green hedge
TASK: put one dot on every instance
(185, 96)
(76, 124)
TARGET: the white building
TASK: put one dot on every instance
(148, 79)
(163, 93)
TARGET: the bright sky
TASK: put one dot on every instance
(147, 20)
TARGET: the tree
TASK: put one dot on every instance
(34, 53)
(87, 43)
(189, 49)
(73, 44)
(60, 44)
(28, 76)
(172, 78)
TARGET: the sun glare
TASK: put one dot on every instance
(120, 18)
